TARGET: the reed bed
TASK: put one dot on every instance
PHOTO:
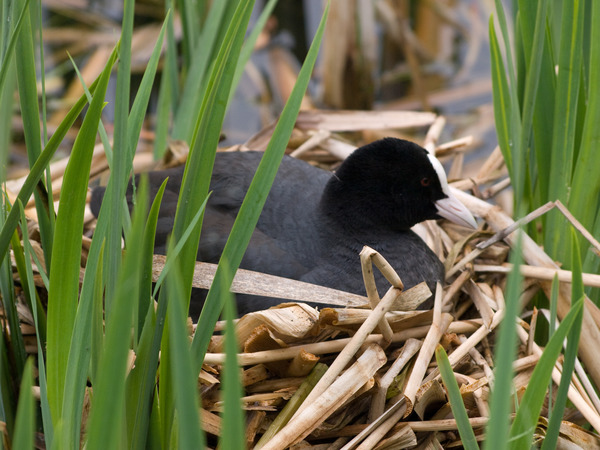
(363, 375)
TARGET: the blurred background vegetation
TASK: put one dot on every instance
(396, 54)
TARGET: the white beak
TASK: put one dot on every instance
(452, 209)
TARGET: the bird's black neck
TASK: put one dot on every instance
(354, 211)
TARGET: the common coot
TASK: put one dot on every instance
(315, 223)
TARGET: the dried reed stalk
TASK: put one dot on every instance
(340, 120)
(256, 283)
(410, 348)
(535, 256)
(540, 273)
(334, 346)
(352, 346)
(584, 407)
(318, 409)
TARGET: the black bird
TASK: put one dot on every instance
(315, 223)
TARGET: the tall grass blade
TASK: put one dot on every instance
(64, 270)
(36, 172)
(234, 424)
(585, 191)
(197, 174)
(520, 184)
(459, 411)
(107, 418)
(502, 100)
(25, 421)
(168, 90)
(23, 266)
(8, 51)
(39, 320)
(146, 296)
(570, 65)
(184, 380)
(248, 46)
(196, 179)
(142, 97)
(577, 296)
(7, 89)
(12, 348)
(498, 425)
(141, 382)
(523, 427)
(539, 76)
(256, 197)
(30, 113)
(122, 157)
(7, 394)
(16, 349)
(197, 69)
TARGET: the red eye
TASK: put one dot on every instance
(425, 181)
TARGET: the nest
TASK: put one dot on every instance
(364, 375)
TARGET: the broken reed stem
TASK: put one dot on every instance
(438, 328)
(453, 145)
(502, 234)
(585, 233)
(433, 134)
(376, 435)
(455, 287)
(334, 346)
(581, 373)
(290, 408)
(417, 427)
(540, 273)
(590, 414)
(462, 350)
(353, 346)
(368, 256)
(262, 284)
(307, 419)
(535, 256)
(314, 141)
(480, 301)
(410, 349)
(399, 406)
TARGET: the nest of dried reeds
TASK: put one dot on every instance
(364, 376)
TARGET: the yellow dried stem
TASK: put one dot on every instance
(410, 348)
(319, 408)
(353, 346)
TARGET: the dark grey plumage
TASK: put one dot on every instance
(315, 223)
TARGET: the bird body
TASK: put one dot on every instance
(315, 223)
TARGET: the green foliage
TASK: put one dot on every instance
(547, 111)
(94, 324)
(504, 355)
(543, 107)
(256, 197)
(233, 415)
(456, 402)
(558, 408)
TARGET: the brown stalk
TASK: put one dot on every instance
(540, 273)
(535, 256)
(439, 326)
(410, 348)
(584, 407)
(307, 419)
(475, 338)
(333, 346)
(352, 347)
